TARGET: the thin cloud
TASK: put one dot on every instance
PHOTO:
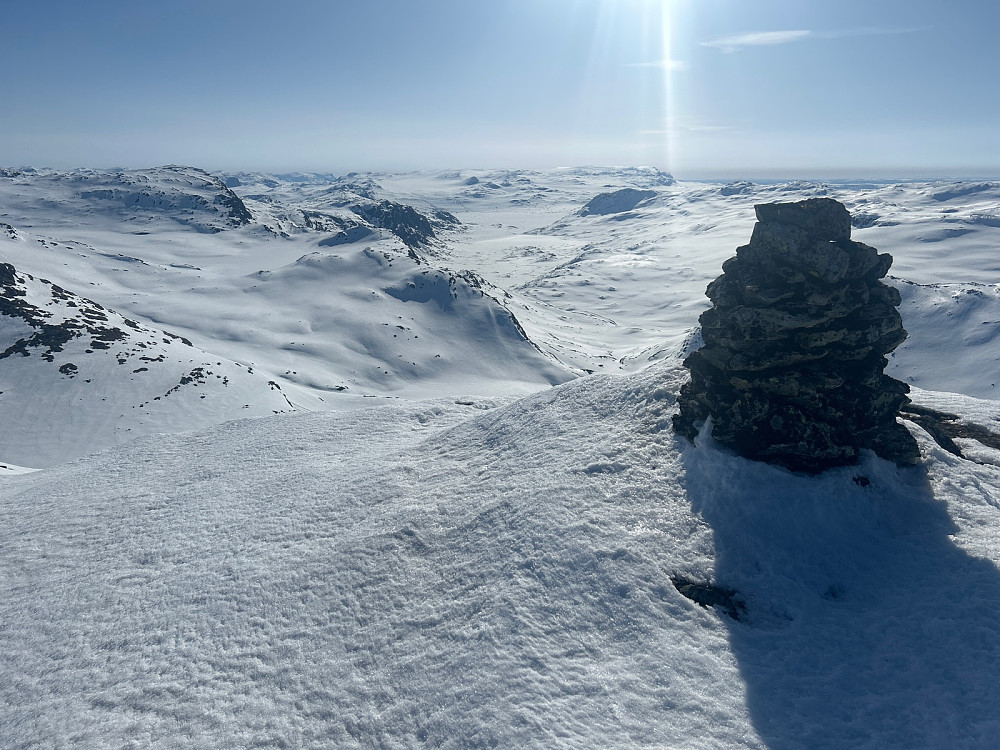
(676, 127)
(709, 128)
(737, 42)
(665, 64)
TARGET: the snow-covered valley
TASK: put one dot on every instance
(385, 460)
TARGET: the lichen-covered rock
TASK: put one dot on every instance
(792, 367)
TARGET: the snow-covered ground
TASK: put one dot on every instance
(447, 533)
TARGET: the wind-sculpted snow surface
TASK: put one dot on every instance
(496, 574)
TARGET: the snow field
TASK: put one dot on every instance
(293, 581)
(494, 574)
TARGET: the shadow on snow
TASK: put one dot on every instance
(866, 625)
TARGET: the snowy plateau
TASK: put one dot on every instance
(386, 461)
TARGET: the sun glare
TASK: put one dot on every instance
(630, 50)
(669, 68)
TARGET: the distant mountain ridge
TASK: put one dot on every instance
(348, 290)
(186, 195)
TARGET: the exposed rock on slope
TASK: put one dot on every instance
(141, 199)
(76, 377)
(29, 327)
(792, 368)
(411, 226)
(186, 194)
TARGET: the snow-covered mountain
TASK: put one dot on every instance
(75, 376)
(461, 518)
(137, 200)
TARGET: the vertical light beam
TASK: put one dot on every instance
(666, 51)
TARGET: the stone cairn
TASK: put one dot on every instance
(791, 371)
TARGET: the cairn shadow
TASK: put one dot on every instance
(865, 625)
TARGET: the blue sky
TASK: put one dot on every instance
(715, 88)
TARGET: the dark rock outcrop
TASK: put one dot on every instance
(792, 367)
(45, 328)
(235, 209)
(345, 230)
(346, 236)
(945, 427)
(412, 227)
(863, 220)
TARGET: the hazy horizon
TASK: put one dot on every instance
(764, 178)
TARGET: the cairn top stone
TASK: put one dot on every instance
(821, 218)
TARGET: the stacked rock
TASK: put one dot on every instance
(791, 371)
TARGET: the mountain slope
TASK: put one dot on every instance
(141, 199)
(952, 344)
(386, 322)
(76, 377)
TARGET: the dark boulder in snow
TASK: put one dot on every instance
(617, 202)
(7, 277)
(792, 367)
(709, 595)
